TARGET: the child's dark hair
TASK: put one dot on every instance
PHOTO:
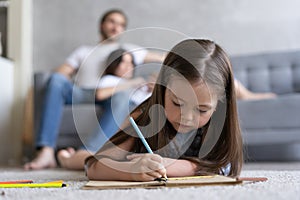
(113, 61)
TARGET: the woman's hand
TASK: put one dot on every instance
(151, 81)
(146, 167)
(137, 82)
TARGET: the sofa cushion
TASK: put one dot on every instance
(269, 72)
(282, 112)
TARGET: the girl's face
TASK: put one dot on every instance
(188, 106)
(125, 68)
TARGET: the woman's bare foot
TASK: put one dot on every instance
(44, 159)
(63, 156)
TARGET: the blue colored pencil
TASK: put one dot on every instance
(138, 131)
(136, 128)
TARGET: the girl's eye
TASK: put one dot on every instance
(177, 104)
(202, 111)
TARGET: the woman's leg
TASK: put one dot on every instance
(115, 111)
(244, 94)
(59, 92)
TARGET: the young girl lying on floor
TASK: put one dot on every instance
(190, 122)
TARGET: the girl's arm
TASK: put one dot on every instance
(108, 169)
(100, 170)
(180, 167)
(175, 167)
(147, 168)
(115, 166)
(104, 93)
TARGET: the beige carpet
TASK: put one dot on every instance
(283, 183)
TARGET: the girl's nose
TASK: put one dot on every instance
(187, 115)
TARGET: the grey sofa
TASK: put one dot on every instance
(271, 128)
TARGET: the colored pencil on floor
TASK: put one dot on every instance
(53, 184)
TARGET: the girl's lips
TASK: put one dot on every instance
(184, 126)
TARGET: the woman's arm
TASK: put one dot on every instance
(104, 93)
(154, 57)
(66, 70)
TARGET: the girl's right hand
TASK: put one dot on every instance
(146, 167)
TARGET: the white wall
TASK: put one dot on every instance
(240, 26)
(6, 107)
(20, 52)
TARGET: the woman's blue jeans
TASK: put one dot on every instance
(62, 91)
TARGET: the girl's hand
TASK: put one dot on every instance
(146, 167)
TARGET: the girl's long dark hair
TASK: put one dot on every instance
(195, 60)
